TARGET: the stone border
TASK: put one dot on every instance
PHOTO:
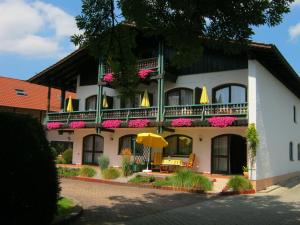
(247, 192)
(74, 214)
(149, 186)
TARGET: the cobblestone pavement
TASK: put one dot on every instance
(107, 204)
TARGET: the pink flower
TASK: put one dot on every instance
(54, 125)
(109, 77)
(138, 123)
(111, 123)
(77, 124)
(221, 121)
(181, 122)
(143, 73)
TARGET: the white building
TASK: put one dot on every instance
(255, 86)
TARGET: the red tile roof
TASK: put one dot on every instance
(35, 98)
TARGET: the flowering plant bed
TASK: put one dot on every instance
(221, 121)
(138, 123)
(111, 123)
(77, 124)
(54, 125)
(109, 77)
(181, 122)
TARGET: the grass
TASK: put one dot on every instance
(187, 179)
(64, 206)
(68, 172)
(87, 171)
(141, 179)
(239, 183)
(111, 173)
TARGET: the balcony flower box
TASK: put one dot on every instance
(54, 125)
(221, 121)
(138, 123)
(144, 73)
(111, 123)
(109, 77)
(77, 124)
(181, 122)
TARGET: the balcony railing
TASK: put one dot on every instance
(151, 63)
(89, 116)
(130, 113)
(189, 111)
(204, 111)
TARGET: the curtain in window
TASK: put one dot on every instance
(179, 145)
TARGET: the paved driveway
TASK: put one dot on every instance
(106, 204)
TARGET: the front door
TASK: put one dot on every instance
(92, 148)
(229, 154)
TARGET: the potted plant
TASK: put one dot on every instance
(245, 171)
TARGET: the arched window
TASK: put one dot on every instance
(230, 93)
(291, 151)
(92, 148)
(91, 103)
(179, 145)
(179, 96)
(128, 141)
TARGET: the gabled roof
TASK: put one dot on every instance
(268, 55)
(22, 94)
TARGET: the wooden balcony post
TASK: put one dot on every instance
(62, 99)
(99, 93)
(49, 99)
(160, 84)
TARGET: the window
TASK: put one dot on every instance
(291, 151)
(127, 103)
(230, 93)
(299, 151)
(295, 117)
(92, 148)
(179, 96)
(128, 141)
(179, 145)
(91, 103)
(20, 92)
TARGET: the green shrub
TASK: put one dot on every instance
(110, 173)
(68, 155)
(142, 179)
(126, 166)
(31, 187)
(68, 172)
(53, 151)
(185, 178)
(103, 162)
(60, 160)
(239, 183)
(161, 183)
(87, 171)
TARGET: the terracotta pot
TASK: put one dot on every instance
(246, 174)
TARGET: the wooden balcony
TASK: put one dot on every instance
(129, 113)
(187, 111)
(151, 63)
(206, 111)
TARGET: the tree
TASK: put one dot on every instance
(110, 26)
(30, 185)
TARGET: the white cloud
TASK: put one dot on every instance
(294, 31)
(296, 3)
(34, 28)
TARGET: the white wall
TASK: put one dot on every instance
(210, 80)
(202, 149)
(272, 111)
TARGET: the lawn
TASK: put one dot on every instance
(64, 206)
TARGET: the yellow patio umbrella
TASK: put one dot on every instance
(104, 102)
(151, 140)
(145, 101)
(70, 105)
(204, 97)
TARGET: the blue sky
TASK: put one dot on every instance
(39, 36)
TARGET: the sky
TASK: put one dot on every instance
(35, 34)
